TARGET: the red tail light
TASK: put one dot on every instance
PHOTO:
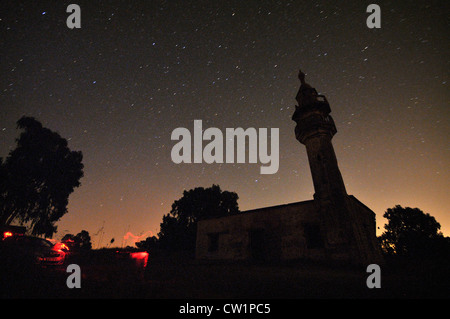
(141, 258)
(60, 247)
(7, 234)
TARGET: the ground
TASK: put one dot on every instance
(180, 276)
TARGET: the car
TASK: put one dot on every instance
(11, 230)
(32, 250)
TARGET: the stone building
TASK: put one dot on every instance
(334, 226)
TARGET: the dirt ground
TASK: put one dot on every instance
(179, 276)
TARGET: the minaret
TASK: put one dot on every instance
(315, 129)
(344, 226)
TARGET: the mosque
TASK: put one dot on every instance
(333, 226)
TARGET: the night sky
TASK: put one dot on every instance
(136, 70)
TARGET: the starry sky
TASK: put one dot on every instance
(117, 87)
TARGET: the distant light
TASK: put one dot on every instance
(7, 234)
(44, 12)
(94, 82)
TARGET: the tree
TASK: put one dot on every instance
(150, 243)
(411, 232)
(82, 240)
(179, 227)
(85, 239)
(37, 178)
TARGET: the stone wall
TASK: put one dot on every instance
(284, 232)
(270, 233)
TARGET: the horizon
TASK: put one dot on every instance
(134, 72)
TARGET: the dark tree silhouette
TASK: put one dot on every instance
(179, 227)
(37, 178)
(150, 243)
(410, 232)
(82, 240)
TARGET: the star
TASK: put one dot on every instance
(120, 85)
